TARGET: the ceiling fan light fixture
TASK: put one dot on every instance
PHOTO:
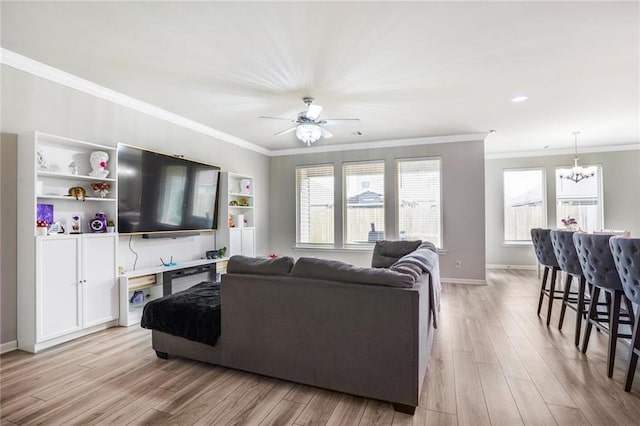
(308, 133)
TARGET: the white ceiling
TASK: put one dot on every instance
(405, 69)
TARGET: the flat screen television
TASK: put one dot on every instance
(159, 193)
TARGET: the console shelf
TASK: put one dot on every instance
(157, 283)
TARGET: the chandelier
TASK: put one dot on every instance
(577, 173)
(308, 133)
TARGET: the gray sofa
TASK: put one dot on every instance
(363, 331)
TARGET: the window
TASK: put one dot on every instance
(364, 202)
(314, 205)
(582, 200)
(524, 203)
(419, 200)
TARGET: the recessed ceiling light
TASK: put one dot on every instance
(519, 98)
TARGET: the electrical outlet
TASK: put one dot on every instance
(458, 263)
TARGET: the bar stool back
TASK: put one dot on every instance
(600, 271)
(626, 254)
(568, 261)
(541, 239)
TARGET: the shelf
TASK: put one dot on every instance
(237, 194)
(57, 175)
(240, 207)
(70, 198)
(142, 286)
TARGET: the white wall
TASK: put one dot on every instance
(32, 103)
(621, 190)
(463, 203)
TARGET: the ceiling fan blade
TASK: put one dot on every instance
(277, 118)
(325, 133)
(342, 121)
(313, 112)
(290, 129)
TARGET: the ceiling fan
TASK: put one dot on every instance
(309, 126)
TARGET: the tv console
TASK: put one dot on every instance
(156, 282)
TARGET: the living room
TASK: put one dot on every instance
(578, 79)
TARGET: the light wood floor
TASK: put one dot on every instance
(494, 362)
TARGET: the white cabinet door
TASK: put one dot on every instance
(248, 242)
(100, 287)
(235, 241)
(58, 287)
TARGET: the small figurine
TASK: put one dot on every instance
(78, 192)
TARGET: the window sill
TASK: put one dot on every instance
(332, 248)
(517, 244)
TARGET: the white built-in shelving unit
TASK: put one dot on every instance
(236, 216)
(66, 282)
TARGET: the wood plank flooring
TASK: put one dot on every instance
(493, 362)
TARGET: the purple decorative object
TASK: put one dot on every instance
(45, 212)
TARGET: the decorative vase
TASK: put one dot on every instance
(111, 229)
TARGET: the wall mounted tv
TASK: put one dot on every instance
(159, 193)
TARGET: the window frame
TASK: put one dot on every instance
(299, 244)
(397, 193)
(545, 219)
(344, 201)
(600, 178)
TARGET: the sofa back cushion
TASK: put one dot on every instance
(259, 266)
(333, 270)
(386, 253)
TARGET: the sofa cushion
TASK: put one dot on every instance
(333, 270)
(386, 253)
(260, 266)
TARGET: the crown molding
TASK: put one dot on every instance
(23, 63)
(565, 151)
(465, 137)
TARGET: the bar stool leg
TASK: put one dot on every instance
(634, 348)
(614, 317)
(544, 283)
(580, 313)
(593, 312)
(565, 298)
(552, 292)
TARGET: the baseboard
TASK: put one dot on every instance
(8, 346)
(462, 281)
(527, 267)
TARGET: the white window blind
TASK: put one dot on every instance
(524, 203)
(314, 204)
(580, 200)
(419, 200)
(363, 202)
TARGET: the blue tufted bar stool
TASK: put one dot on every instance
(541, 239)
(626, 254)
(600, 271)
(568, 261)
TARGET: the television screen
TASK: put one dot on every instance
(163, 193)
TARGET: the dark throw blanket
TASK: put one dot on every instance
(193, 314)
